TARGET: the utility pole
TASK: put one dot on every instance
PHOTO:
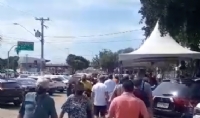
(41, 35)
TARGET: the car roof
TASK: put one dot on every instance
(24, 79)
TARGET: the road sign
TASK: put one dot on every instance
(28, 46)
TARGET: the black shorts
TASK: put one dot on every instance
(102, 110)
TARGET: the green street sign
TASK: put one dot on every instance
(27, 46)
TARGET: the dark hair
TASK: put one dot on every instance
(110, 76)
(117, 77)
(124, 79)
(128, 86)
(102, 78)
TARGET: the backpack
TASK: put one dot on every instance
(140, 93)
(38, 108)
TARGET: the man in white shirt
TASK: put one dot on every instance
(110, 84)
(100, 98)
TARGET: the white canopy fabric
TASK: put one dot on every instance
(157, 46)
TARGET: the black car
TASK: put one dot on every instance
(28, 84)
(176, 98)
(10, 91)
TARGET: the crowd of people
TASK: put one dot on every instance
(98, 97)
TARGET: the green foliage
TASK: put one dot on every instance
(179, 18)
(108, 60)
(77, 62)
(13, 63)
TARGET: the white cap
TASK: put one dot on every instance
(43, 82)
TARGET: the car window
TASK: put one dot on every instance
(66, 77)
(10, 85)
(27, 81)
(177, 89)
(23, 76)
(57, 79)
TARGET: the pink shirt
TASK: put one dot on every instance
(127, 106)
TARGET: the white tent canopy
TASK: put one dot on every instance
(157, 46)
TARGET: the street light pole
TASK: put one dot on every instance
(8, 62)
(24, 28)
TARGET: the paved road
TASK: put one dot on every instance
(10, 111)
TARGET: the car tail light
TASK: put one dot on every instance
(185, 102)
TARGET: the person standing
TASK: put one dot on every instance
(77, 105)
(38, 104)
(118, 88)
(87, 85)
(110, 84)
(145, 87)
(127, 105)
(100, 98)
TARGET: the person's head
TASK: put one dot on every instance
(101, 78)
(78, 88)
(84, 78)
(124, 79)
(110, 76)
(128, 86)
(116, 77)
(141, 73)
(42, 85)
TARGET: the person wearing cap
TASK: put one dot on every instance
(38, 104)
(77, 105)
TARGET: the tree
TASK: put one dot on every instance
(179, 18)
(126, 50)
(77, 62)
(13, 63)
(106, 59)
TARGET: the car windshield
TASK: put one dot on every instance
(10, 85)
(179, 90)
(66, 77)
(57, 79)
(23, 76)
(25, 82)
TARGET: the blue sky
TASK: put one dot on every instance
(70, 18)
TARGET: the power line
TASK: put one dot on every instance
(100, 35)
(75, 37)
(81, 42)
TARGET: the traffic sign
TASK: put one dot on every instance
(27, 46)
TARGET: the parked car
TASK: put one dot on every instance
(196, 113)
(10, 91)
(176, 98)
(52, 86)
(23, 76)
(58, 82)
(28, 84)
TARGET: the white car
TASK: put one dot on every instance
(58, 82)
(197, 111)
(23, 76)
(52, 86)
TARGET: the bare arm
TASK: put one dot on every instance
(114, 94)
(111, 111)
(53, 112)
(21, 111)
(143, 110)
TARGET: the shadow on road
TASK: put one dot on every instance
(9, 106)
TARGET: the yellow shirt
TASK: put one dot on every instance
(87, 85)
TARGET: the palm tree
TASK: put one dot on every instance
(17, 50)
